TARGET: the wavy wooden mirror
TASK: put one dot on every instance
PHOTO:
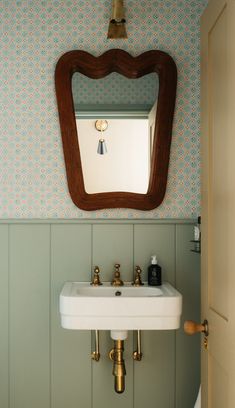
(131, 123)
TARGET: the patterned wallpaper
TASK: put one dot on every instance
(114, 89)
(35, 33)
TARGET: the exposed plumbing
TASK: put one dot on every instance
(119, 370)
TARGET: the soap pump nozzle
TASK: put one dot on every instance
(154, 260)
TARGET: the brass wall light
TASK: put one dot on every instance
(117, 28)
(101, 125)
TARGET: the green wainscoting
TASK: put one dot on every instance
(29, 319)
(155, 375)
(4, 318)
(45, 366)
(70, 350)
(187, 347)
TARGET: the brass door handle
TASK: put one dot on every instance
(191, 327)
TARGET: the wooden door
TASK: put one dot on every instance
(218, 203)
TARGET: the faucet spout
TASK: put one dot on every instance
(119, 370)
(117, 279)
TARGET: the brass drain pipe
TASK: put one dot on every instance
(119, 370)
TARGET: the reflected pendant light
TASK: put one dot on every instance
(102, 148)
(101, 125)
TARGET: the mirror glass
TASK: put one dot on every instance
(127, 109)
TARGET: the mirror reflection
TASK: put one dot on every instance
(115, 119)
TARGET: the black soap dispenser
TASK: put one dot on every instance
(154, 272)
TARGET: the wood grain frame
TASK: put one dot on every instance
(119, 61)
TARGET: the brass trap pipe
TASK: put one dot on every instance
(119, 370)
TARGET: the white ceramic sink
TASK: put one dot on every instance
(85, 307)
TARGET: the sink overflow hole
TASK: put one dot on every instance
(118, 293)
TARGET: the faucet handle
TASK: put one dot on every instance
(137, 280)
(117, 269)
(96, 277)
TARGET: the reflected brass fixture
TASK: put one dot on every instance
(117, 280)
(101, 125)
(137, 355)
(137, 280)
(117, 28)
(119, 370)
(95, 355)
(96, 277)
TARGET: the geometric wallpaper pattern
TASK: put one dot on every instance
(115, 89)
(34, 34)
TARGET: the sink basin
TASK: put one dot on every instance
(85, 307)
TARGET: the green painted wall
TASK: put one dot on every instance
(45, 366)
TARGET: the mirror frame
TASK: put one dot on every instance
(117, 60)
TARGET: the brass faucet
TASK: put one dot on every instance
(137, 280)
(119, 370)
(96, 278)
(117, 280)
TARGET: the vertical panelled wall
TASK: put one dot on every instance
(45, 366)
